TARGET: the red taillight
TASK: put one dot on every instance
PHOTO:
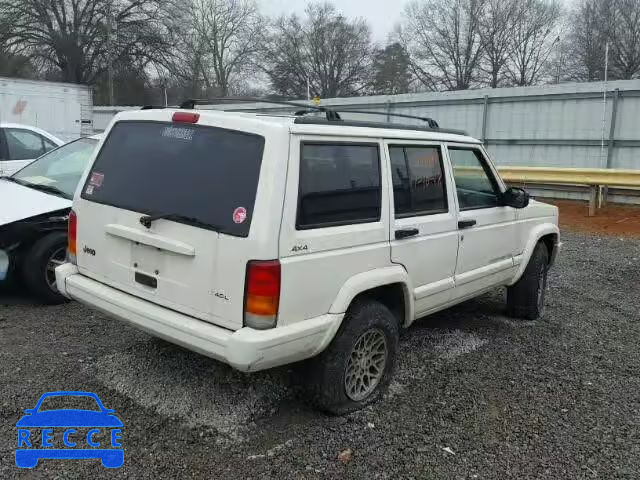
(262, 294)
(185, 117)
(72, 233)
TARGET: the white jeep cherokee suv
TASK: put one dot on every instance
(260, 240)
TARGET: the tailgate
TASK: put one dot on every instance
(198, 184)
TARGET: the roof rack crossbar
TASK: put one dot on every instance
(430, 121)
(332, 113)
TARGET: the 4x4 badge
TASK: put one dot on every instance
(299, 248)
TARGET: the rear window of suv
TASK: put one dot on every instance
(202, 173)
(339, 185)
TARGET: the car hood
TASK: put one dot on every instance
(69, 418)
(20, 202)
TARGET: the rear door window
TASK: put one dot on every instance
(203, 173)
(418, 180)
(339, 184)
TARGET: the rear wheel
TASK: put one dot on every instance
(526, 298)
(356, 367)
(40, 262)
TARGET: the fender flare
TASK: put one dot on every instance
(535, 234)
(380, 277)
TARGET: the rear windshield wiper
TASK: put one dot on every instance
(147, 220)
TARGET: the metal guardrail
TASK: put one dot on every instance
(594, 178)
(572, 176)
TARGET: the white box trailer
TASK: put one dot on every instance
(65, 110)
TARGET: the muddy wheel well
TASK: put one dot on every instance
(550, 241)
(393, 296)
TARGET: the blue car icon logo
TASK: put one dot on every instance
(69, 433)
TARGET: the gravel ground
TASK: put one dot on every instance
(475, 396)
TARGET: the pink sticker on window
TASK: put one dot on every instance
(96, 179)
(239, 215)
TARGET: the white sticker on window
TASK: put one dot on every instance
(179, 133)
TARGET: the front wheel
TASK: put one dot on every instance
(39, 264)
(356, 367)
(526, 297)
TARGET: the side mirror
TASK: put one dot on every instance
(515, 197)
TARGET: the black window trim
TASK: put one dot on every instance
(487, 171)
(212, 228)
(419, 213)
(315, 226)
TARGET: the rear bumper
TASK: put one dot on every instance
(245, 349)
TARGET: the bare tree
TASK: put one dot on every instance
(11, 64)
(324, 49)
(6, 25)
(624, 38)
(534, 35)
(80, 37)
(585, 41)
(593, 25)
(588, 36)
(187, 69)
(225, 37)
(497, 21)
(443, 40)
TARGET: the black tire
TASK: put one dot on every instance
(36, 263)
(325, 374)
(525, 298)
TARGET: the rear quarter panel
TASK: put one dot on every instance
(313, 277)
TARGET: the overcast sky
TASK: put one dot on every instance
(382, 15)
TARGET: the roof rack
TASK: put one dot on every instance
(385, 125)
(430, 121)
(332, 113)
